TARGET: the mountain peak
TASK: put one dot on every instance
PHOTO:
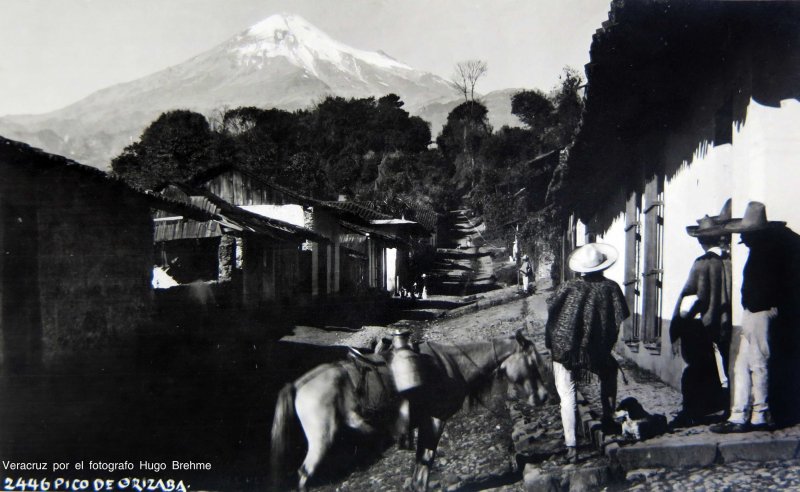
(304, 45)
(283, 22)
(281, 62)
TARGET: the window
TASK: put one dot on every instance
(653, 273)
(631, 328)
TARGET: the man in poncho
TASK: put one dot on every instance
(583, 322)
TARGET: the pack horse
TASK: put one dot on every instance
(361, 397)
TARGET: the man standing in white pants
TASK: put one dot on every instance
(583, 321)
(761, 294)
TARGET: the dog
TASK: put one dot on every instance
(637, 424)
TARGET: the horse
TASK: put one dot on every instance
(355, 396)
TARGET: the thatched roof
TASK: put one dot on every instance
(665, 79)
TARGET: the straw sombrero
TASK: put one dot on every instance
(707, 227)
(592, 257)
(755, 219)
(712, 226)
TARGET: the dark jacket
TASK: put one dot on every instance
(765, 274)
(583, 321)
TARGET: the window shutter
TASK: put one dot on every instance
(653, 274)
(630, 328)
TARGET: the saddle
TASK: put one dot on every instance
(371, 379)
(359, 357)
(379, 358)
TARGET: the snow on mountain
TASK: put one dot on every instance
(282, 62)
(292, 37)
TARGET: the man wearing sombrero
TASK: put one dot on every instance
(583, 321)
(762, 289)
(701, 322)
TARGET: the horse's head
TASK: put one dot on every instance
(523, 369)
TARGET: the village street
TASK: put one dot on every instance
(234, 235)
(477, 451)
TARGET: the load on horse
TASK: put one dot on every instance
(361, 395)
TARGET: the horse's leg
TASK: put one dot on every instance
(430, 431)
(317, 412)
(320, 431)
(403, 429)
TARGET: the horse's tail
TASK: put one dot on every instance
(285, 425)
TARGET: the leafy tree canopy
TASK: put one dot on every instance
(175, 147)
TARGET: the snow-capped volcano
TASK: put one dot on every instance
(283, 61)
(292, 37)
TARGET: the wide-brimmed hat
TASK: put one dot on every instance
(755, 219)
(712, 226)
(707, 227)
(724, 215)
(592, 257)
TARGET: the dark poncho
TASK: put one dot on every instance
(583, 321)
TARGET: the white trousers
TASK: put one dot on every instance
(750, 378)
(565, 385)
(567, 392)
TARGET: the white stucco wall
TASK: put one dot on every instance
(766, 168)
(293, 214)
(391, 269)
(763, 164)
(698, 190)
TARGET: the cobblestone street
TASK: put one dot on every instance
(475, 450)
(766, 475)
(488, 447)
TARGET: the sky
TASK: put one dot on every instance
(55, 52)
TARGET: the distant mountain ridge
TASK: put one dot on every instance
(283, 62)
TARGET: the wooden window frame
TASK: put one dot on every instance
(652, 271)
(631, 328)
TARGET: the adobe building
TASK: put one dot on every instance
(688, 104)
(76, 263)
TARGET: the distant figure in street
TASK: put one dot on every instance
(526, 271)
(764, 348)
(701, 323)
(514, 251)
(583, 321)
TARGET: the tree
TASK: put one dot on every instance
(569, 105)
(264, 139)
(303, 173)
(552, 118)
(462, 137)
(174, 148)
(466, 75)
(534, 109)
